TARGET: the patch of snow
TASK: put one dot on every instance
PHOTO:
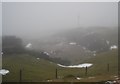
(109, 82)
(38, 58)
(72, 43)
(84, 48)
(113, 47)
(115, 76)
(114, 82)
(78, 78)
(46, 53)
(77, 66)
(49, 80)
(28, 45)
(107, 42)
(94, 54)
(4, 71)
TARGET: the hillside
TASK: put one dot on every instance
(34, 69)
(102, 60)
(93, 38)
(79, 44)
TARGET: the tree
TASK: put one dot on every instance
(12, 44)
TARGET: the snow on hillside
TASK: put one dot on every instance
(4, 71)
(113, 47)
(72, 43)
(46, 53)
(28, 45)
(77, 66)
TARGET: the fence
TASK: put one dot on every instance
(58, 71)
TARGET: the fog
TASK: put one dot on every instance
(37, 20)
(0, 40)
(45, 37)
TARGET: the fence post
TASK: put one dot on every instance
(56, 72)
(20, 76)
(86, 70)
(108, 67)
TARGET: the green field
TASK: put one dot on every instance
(34, 70)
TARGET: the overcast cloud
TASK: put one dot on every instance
(45, 18)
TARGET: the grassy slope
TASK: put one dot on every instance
(101, 61)
(41, 70)
(32, 68)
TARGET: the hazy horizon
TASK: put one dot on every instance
(46, 18)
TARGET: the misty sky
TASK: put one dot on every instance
(0, 20)
(45, 18)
